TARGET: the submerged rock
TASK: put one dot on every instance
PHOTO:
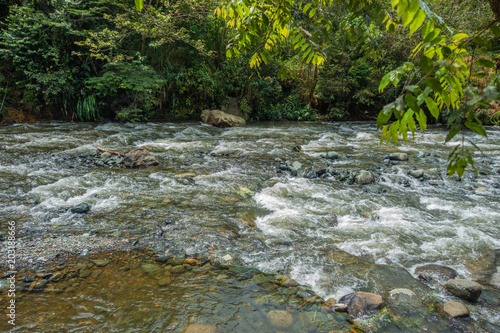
(138, 158)
(464, 289)
(219, 118)
(280, 318)
(431, 272)
(198, 328)
(80, 208)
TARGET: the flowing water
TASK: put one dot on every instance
(332, 236)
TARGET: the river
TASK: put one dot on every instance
(231, 190)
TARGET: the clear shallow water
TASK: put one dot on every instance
(399, 221)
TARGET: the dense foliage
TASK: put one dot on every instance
(99, 59)
(440, 77)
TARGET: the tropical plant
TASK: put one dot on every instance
(436, 78)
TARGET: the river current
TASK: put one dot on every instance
(224, 189)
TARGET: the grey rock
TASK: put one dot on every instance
(431, 272)
(398, 157)
(138, 158)
(417, 173)
(150, 268)
(80, 208)
(280, 318)
(364, 177)
(297, 166)
(101, 262)
(464, 289)
(332, 155)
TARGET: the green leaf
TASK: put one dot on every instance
(312, 12)
(434, 84)
(426, 64)
(432, 106)
(384, 82)
(417, 21)
(486, 63)
(476, 128)
(422, 120)
(384, 115)
(139, 4)
(411, 101)
(453, 131)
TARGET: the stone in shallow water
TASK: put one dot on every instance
(101, 262)
(150, 268)
(398, 157)
(363, 303)
(332, 155)
(464, 289)
(364, 177)
(198, 328)
(280, 318)
(80, 208)
(455, 309)
(138, 158)
(417, 173)
(431, 272)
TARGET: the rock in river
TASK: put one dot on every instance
(398, 157)
(362, 303)
(280, 318)
(81, 208)
(138, 158)
(431, 272)
(364, 177)
(218, 118)
(464, 289)
(455, 309)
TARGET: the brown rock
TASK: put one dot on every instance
(455, 309)
(363, 303)
(198, 328)
(218, 118)
(139, 158)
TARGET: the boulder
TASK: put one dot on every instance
(280, 318)
(464, 289)
(331, 155)
(8, 122)
(417, 173)
(431, 272)
(139, 158)
(218, 118)
(364, 177)
(455, 309)
(398, 157)
(362, 303)
(80, 208)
